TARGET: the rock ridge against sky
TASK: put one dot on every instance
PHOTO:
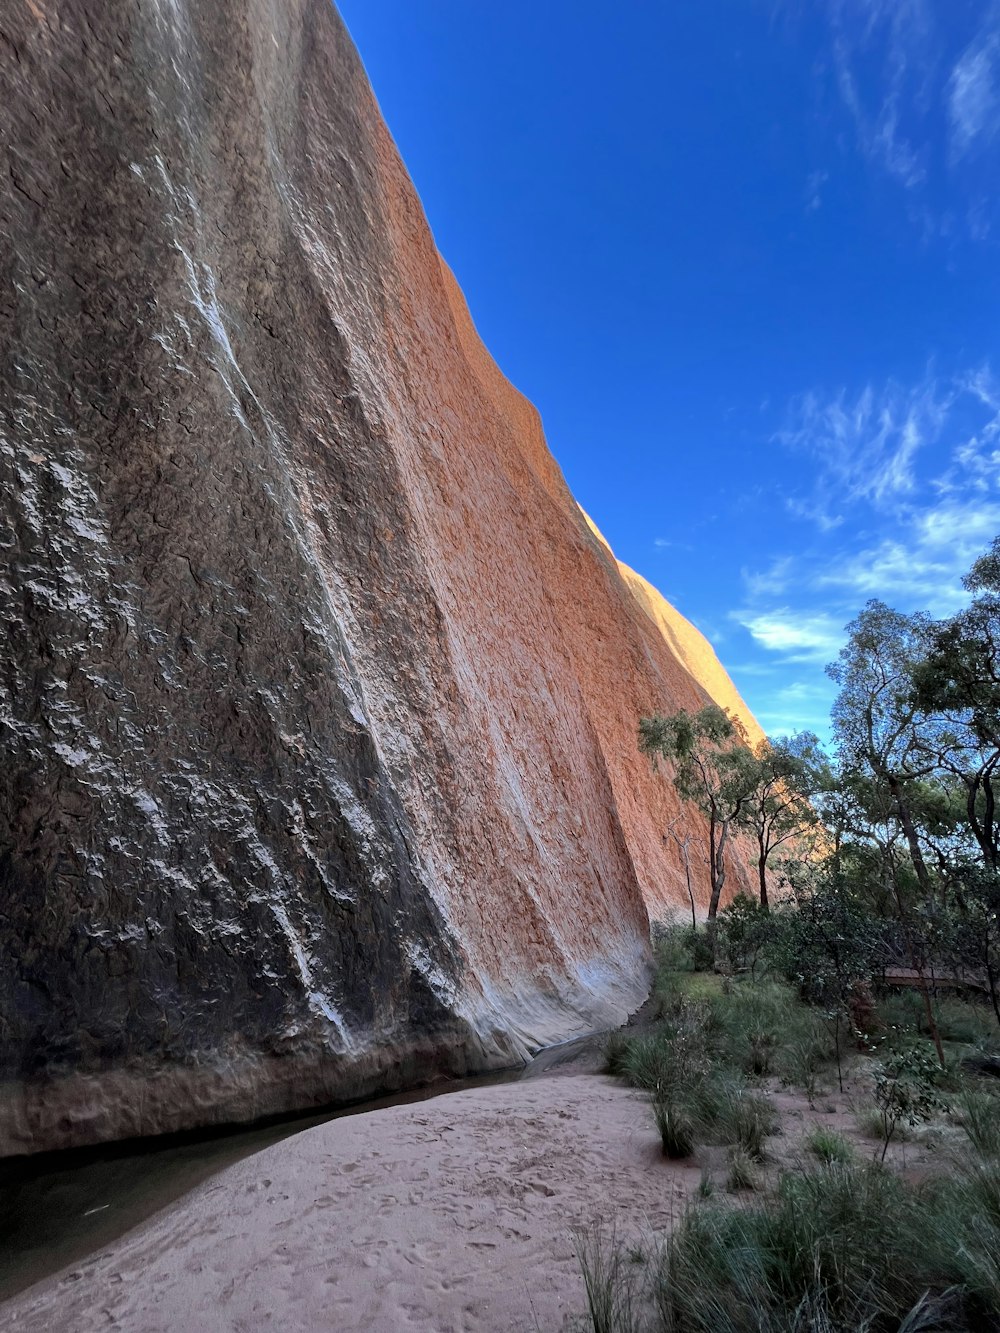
(318, 694)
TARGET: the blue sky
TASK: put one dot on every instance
(744, 258)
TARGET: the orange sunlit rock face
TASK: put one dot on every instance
(321, 764)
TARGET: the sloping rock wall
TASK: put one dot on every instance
(318, 695)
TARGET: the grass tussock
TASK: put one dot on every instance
(830, 1147)
(840, 1244)
(700, 1062)
(741, 1173)
(838, 1248)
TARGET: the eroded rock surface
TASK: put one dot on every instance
(318, 696)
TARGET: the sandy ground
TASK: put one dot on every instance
(454, 1214)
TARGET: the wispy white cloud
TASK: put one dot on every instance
(813, 514)
(920, 83)
(794, 635)
(893, 33)
(865, 448)
(814, 190)
(975, 458)
(972, 93)
(922, 566)
(908, 495)
(772, 581)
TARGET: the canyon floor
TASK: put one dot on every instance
(457, 1214)
(453, 1214)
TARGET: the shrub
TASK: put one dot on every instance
(802, 1062)
(838, 1249)
(671, 948)
(747, 933)
(747, 1119)
(963, 1021)
(870, 1124)
(755, 1020)
(906, 1091)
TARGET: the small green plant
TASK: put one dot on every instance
(802, 1065)
(742, 1172)
(674, 1125)
(672, 948)
(906, 1091)
(747, 932)
(744, 1118)
(609, 1281)
(869, 1123)
(755, 1021)
(615, 1053)
(706, 1184)
(829, 1146)
(980, 1119)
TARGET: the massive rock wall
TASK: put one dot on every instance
(318, 695)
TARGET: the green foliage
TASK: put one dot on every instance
(756, 1022)
(741, 1173)
(712, 768)
(748, 932)
(672, 948)
(840, 1248)
(699, 944)
(608, 1280)
(692, 1066)
(962, 1021)
(777, 810)
(906, 1090)
(678, 951)
(741, 1117)
(830, 943)
(980, 1119)
(830, 1147)
(674, 1123)
(805, 1056)
(615, 1052)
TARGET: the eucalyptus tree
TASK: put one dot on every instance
(876, 714)
(713, 768)
(880, 730)
(777, 809)
(958, 686)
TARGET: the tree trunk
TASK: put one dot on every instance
(718, 866)
(981, 831)
(918, 967)
(762, 876)
(687, 876)
(910, 833)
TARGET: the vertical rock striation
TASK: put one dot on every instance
(318, 694)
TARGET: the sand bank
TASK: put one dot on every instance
(454, 1214)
